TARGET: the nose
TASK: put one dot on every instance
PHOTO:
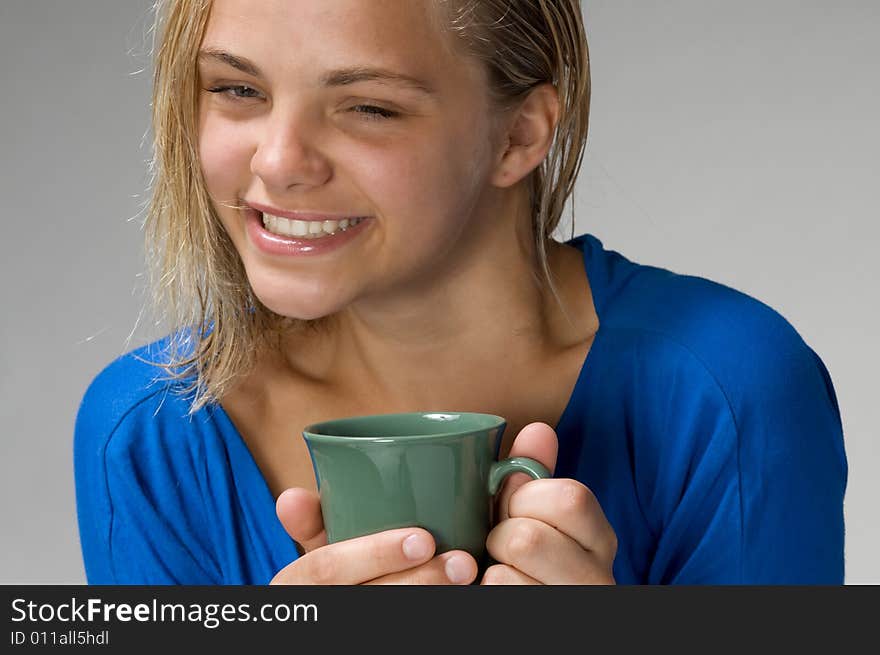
(287, 156)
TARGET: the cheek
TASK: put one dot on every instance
(222, 157)
(429, 184)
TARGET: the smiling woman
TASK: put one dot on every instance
(377, 103)
(352, 213)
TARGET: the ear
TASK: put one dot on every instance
(529, 137)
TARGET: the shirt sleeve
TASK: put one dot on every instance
(750, 478)
(139, 512)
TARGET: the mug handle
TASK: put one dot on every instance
(500, 470)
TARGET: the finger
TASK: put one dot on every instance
(502, 574)
(299, 511)
(545, 554)
(538, 441)
(571, 508)
(453, 567)
(355, 561)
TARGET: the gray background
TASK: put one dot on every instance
(735, 140)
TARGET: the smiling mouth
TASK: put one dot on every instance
(307, 229)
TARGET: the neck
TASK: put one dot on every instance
(477, 311)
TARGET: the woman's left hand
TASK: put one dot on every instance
(550, 531)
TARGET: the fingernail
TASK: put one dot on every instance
(416, 546)
(458, 569)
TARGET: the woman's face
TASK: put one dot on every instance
(416, 162)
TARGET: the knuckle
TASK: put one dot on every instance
(576, 498)
(525, 540)
(612, 543)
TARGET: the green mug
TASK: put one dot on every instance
(434, 470)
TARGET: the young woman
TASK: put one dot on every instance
(352, 212)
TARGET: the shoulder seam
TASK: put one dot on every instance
(110, 436)
(730, 410)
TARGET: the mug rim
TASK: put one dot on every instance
(309, 433)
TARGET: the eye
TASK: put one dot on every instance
(231, 92)
(237, 92)
(373, 113)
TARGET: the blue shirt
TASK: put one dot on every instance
(707, 429)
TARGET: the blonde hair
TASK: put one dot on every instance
(197, 279)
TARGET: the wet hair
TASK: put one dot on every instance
(198, 283)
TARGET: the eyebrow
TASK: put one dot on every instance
(333, 78)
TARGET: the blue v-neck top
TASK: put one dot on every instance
(707, 429)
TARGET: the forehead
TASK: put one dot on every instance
(300, 35)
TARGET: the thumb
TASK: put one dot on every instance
(299, 511)
(538, 441)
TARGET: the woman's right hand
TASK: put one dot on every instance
(401, 556)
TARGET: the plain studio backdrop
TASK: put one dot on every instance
(736, 141)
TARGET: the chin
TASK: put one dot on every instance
(295, 303)
(297, 297)
(296, 310)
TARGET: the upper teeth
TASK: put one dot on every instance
(306, 229)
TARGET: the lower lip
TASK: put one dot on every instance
(276, 244)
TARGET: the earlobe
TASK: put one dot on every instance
(530, 136)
